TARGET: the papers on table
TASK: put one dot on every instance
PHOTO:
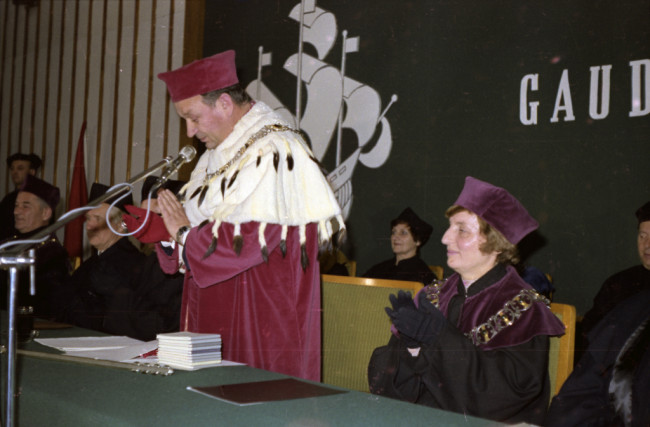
(113, 348)
(189, 350)
(181, 350)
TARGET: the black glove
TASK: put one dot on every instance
(421, 325)
(403, 299)
(414, 326)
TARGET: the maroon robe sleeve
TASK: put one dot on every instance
(168, 261)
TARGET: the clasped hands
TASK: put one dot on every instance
(416, 325)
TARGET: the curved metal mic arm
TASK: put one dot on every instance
(186, 155)
(167, 164)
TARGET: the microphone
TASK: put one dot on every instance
(186, 155)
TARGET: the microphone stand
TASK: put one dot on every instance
(14, 259)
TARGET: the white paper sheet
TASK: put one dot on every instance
(88, 343)
(117, 349)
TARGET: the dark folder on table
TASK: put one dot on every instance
(265, 391)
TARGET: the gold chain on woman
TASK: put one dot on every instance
(505, 317)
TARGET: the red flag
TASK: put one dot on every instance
(77, 197)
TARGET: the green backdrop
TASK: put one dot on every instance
(457, 69)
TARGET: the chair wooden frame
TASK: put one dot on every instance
(354, 323)
(438, 270)
(562, 349)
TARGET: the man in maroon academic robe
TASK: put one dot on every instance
(249, 223)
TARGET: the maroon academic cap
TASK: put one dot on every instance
(46, 191)
(498, 208)
(643, 213)
(201, 76)
(420, 229)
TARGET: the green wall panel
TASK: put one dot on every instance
(457, 70)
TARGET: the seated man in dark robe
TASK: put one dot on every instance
(408, 234)
(20, 165)
(623, 284)
(610, 385)
(151, 304)
(92, 287)
(34, 211)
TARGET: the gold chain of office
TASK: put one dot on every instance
(267, 129)
(503, 318)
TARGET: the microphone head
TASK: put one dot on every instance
(188, 152)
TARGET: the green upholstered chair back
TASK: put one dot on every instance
(354, 324)
(561, 349)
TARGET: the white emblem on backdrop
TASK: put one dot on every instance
(334, 101)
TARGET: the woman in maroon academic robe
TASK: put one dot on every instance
(476, 343)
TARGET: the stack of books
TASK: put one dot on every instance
(189, 350)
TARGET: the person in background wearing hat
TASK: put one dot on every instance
(252, 216)
(476, 343)
(20, 165)
(92, 287)
(34, 209)
(151, 304)
(623, 284)
(408, 234)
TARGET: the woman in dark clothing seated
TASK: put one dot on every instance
(408, 234)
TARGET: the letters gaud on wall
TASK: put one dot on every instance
(599, 94)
